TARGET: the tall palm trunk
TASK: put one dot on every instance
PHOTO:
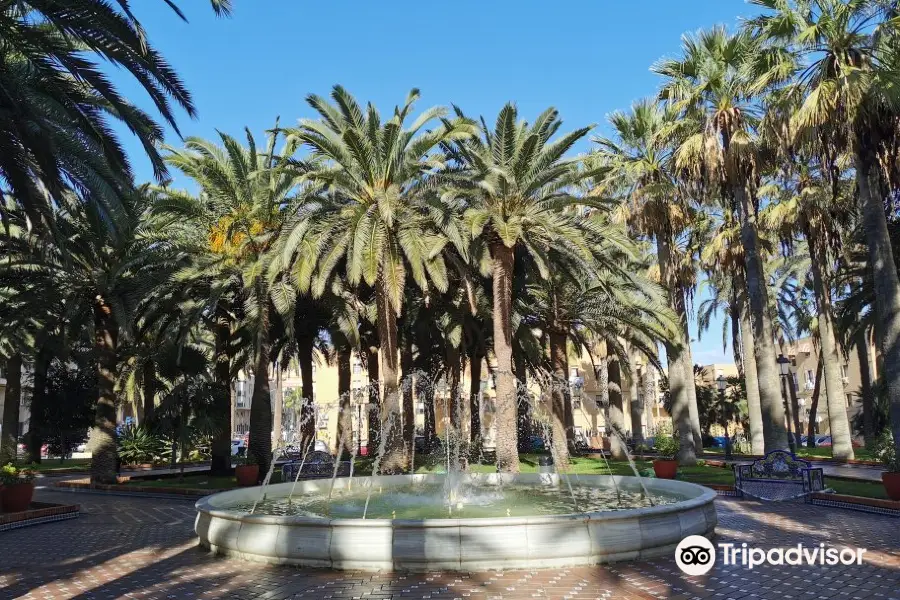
(505, 418)
(373, 436)
(12, 399)
(36, 425)
(307, 407)
(751, 381)
(559, 363)
(689, 380)
(394, 460)
(814, 406)
(148, 392)
(886, 281)
(636, 410)
(221, 441)
(839, 425)
(261, 401)
(616, 410)
(409, 408)
(475, 359)
(345, 416)
(795, 411)
(734, 314)
(454, 382)
(868, 394)
(523, 397)
(649, 391)
(261, 411)
(771, 403)
(679, 368)
(430, 432)
(103, 434)
(277, 406)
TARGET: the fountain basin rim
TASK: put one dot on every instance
(706, 495)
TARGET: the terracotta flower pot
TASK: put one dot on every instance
(891, 483)
(246, 474)
(665, 468)
(17, 497)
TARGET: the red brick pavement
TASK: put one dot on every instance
(125, 547)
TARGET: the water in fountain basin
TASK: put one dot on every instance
(389, 422)
(428, 500)
(278, 451)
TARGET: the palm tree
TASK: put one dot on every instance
(640, 163)
(372, 219)
(628, 313)
(244, 198)
(843, 58)
(516, 181)
(712, 84)
(814, 208)
(103, 272)
(723, 259)
(59, 105)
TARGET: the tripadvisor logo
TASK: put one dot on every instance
(696, 555)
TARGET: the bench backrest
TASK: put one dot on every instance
(778, 464)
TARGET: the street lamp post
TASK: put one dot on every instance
(722, 384)
(784, 365)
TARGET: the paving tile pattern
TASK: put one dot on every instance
(126, 547)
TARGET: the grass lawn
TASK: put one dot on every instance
(193, 481)
(48, 465)
(700, 474)
(859, 453)
(821, 452)
(857, 488)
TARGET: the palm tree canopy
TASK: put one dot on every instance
(375, 216)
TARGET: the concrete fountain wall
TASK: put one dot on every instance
(455, 544)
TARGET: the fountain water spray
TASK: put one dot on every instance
(375, 465)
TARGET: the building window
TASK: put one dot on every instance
(573, 372)
(357, 369)
(576, 403)
(849, 400)
(844, 372)
(794, 379)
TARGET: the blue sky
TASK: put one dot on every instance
(586, 58)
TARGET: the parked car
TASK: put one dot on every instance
(82, 447)
(45, 450)
(823, 440)
(320, 446)
(238, 447)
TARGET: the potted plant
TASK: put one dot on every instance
(247, 470)
(18, 488)
(665, 466)
(890, 477)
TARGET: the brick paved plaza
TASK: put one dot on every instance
(124, 547)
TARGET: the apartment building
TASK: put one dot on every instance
(803, 372)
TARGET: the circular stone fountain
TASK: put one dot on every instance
(409, 528)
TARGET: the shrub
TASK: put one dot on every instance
(666, 446)
(245, 460)
(139, 445)
(885, 451)
(10, 475)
